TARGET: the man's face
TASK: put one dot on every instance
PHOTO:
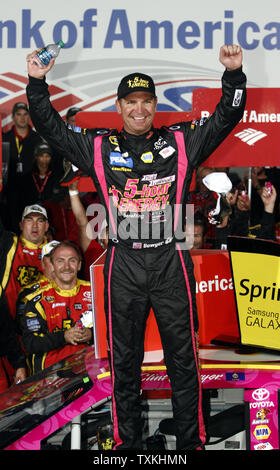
(194, 236)
(71, 120)
(138, 111)
(66, 264)
(21, 118)
(198, 239)
(33, 228)
(43, 161)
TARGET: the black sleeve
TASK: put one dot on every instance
(72, 143)
(9, 342)
(204, 135)
(36, 338)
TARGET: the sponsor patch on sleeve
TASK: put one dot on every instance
(33, 324)
(237, 98)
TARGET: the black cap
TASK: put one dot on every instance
(19, 106)
(136, 82)
(42, 148)
(72, 111)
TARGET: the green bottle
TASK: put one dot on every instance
(49, 52)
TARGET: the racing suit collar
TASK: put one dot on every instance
(31, 246)
(137, 144)
(68, 293)
(146, 136)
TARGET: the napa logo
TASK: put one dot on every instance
(262, 432)
(117, 159)
(147, 157)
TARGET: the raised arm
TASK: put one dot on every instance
(204, 135)
(80, 215)
(75, 144)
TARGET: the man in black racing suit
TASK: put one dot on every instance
(142, 176)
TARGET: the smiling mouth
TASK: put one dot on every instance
(139, 119)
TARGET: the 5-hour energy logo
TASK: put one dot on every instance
(153, 195)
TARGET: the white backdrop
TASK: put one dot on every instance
(177, 42)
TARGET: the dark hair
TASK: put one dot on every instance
(67, 244)
(18, 106)
(72, 112)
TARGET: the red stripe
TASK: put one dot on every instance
(114, 411)
(200, 415)
(65, 102)
(99, 170)
(181, 173)
(10, 86)
(188, 80)
(99, 101)
(54, 90)
(17, 77)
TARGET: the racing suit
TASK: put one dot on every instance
(20, 264)
(142, 182)
(48, 313)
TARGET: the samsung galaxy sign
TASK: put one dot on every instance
(122, 28)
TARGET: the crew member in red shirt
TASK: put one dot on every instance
(20, 257)
(58, 321)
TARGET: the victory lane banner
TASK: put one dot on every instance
(255, 265)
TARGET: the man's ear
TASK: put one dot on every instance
(118, 106)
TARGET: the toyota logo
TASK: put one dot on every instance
(260, 394)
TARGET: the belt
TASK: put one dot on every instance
(141, 245)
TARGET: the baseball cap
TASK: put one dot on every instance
(19, 106)
(48, 247)
(136, 82)
(34, 208)
(42, 148)
(72, 111)
(218, 182)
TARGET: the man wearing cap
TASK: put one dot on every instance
(57, 322)
(31, 290)
(70, 115)
(23, 140)
(39, 185)
(142, 175)
(20, 256)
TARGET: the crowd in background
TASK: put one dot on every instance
(38, 177)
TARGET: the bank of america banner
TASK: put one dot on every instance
(176, 42)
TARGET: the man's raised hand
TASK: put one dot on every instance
(231, 56)
(33, 65)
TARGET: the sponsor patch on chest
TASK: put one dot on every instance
(167, 151)
(118, 160)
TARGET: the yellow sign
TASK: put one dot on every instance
(262, 431)
(257, 289)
